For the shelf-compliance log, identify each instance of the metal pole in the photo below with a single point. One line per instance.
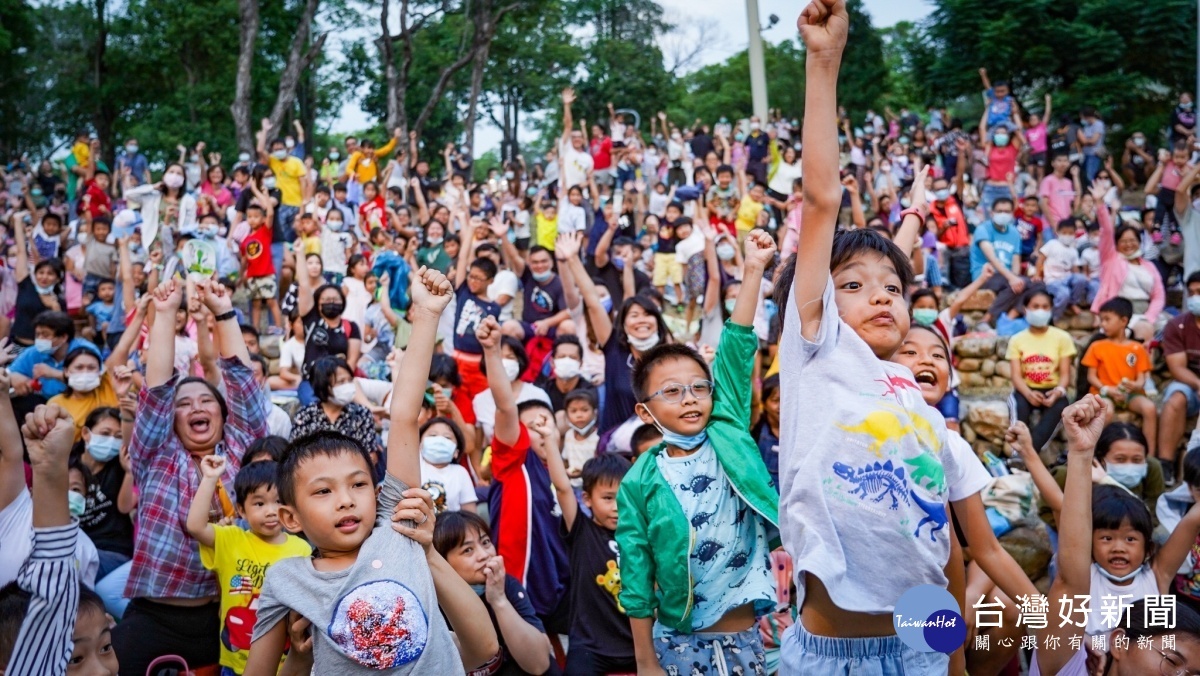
(758, 71)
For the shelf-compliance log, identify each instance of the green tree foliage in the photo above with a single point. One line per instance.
(863, 79)
(723, 89)
(1127, 59)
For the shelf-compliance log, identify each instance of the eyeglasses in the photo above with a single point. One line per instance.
(1174, 664)
(673, 393)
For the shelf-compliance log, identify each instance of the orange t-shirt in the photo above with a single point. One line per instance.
(1114, 361)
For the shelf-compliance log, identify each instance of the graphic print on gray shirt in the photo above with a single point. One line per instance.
(380, 613)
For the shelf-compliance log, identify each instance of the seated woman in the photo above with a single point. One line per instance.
(1040, 357)
(462, 539)
(334, 409)
(1125, 273)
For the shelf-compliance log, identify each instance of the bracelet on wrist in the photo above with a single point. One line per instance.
(225, 315)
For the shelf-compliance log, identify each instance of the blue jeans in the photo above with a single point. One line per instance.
(1091, 166)
(109, 561)
(1070, 291)
(991, 193)
(305, 393)
(287, 221)
(1193, 400)
(804, 653)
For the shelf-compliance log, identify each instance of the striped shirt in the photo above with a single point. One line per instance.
(51, 575)
(166, 560)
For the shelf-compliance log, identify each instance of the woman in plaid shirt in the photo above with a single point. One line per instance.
(180, 420)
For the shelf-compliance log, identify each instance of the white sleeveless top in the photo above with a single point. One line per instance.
(1139, 588)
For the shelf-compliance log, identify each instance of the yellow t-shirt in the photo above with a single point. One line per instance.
(82, 153)
(547, 230)
(241, 559)
(310, 245)
(288, 173)
(80, 404)
(1040, 355)
(365, 166)
(747, 213)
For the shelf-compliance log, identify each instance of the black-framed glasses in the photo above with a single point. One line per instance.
(673, 393)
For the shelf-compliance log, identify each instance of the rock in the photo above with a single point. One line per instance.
(972, 381)
(980, 301)
(969, 364)
(1128, 417)
(988, 367)
(1084, 321)
(1000, 382)
(1030, 548)
(1004, 369)
(976, 345)
(981, 446)
(1001, 348)
(989, 419)
(967, 432)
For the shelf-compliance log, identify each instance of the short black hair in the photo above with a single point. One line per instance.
(255, 207)
(1193, 278)
(485, 265)
(1034, 293)
(532, 404)
(14, 605)
(1119, 431)
(919, 294)
(443, 367)
(322, 372)
(248, 329)
(1003, 200)
(452, 528)
(1191, 467)
(59, 323)
(850, 243)
(643, 301)
(581, 394)
(261, 361)
(604, 468)
(657, 355)
(724, 169)
(566, 339)
(271, 446)
(1119, 307)
(1066, 223)
(676, 204)
(51, 216)
(1113, 507)
(253, 476)
(1137, 627)
(645, 432)
(317, 444)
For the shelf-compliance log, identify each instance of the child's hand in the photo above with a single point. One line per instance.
(49, 434)
(122, 378)
(1083, 421)
(917, 193)
(708, 353)
(212, 466)
(7, 352)
(823, 26)
(543, 426)
(495, 577)
(498, 226)
(299, 634)
(488, 333)
(214, 296)
(760, 250)
(431, 291)
(416, 507)
(443, 404)
(167, 297)
(1020, 440)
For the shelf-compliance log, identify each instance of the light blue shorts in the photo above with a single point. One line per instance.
(711, 653)
(804, 653)
(1193, 401)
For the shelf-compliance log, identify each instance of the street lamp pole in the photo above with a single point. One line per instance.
(758, 71)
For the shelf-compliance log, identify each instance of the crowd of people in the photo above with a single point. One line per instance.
(672, 400)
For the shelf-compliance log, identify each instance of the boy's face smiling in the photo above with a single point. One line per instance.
(924, 355)
(602, 500)
(335, 503)
(92, 653)
(688, 416)
(871, 301)
(261, 511)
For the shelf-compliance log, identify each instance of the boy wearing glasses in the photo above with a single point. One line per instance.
(698, 512)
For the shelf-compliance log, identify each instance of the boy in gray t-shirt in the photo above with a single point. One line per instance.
(369, 592)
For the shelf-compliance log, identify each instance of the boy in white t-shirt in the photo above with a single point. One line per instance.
(1059, 267)
(864, 484)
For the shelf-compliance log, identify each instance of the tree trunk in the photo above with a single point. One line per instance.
(396, 87)
(240, 108)
(481, 56)
(298, 61)
(104, 115)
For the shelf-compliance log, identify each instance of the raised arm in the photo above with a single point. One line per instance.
(18, 229)
(431, 293)
(1185, 189)
(160, 361)
(568, 97)
(229, 339)
(508, 425)
(508, 250)
(823, 26)
(12, 465)
(566, 250)
(211, 469)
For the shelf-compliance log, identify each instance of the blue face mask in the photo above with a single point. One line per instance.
(542, 277)
(1113, 578)
(730, 303)
(104, 448)
(438, 450)
(1193, 305)
(1127, 474)
(681, 441)
(925, 316)
(479, 589)
(606, 303)
(619, 263)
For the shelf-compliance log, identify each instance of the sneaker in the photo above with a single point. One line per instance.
(274, 330)
(1150, 388)
(1176, 239)
(1157, 237)
(1168, 470)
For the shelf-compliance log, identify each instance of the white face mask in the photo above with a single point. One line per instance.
(512, 368)
(244, 158)
(173, 180)
(269, 182)
(83, 382)
(643, 344)
(1066, 240)
(43, 345)
(566, 368)
(343, 394)
(279, 154)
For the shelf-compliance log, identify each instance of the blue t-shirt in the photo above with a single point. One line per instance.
(467, 314)
(30, 357)
(729, 564)
(1006, 244)
(999, 110)
(138, 166)
(103, 312)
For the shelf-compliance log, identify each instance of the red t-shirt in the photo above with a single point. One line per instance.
(374, 215)
(99, 202)
(601, 149)
(256, 250)
(954, 235)
(1002, 161)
